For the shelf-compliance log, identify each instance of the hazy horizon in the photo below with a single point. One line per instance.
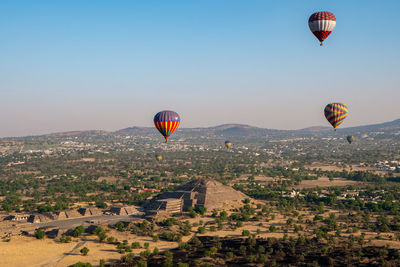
(209, 126)
(74, 65)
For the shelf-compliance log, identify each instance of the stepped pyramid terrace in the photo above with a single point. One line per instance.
(197, 193)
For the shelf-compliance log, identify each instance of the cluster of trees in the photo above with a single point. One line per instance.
(271, 252)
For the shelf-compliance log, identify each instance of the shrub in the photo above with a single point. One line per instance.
(101, 204)
(135, 245)
(78, 231)
(65, 239)
(39, 234)
(84, 251)
(201, 210)
(145, 254)
(111, 240)
(120, 226)
(101, 234)
(207, 253)
(171, 236)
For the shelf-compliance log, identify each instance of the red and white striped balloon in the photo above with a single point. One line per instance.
(322, 24)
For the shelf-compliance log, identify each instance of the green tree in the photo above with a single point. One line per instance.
(65, 239)
(135, 245)
(78, 231)
(120, 226)
(39, 234)
(84, 251)
(101, 204)
(101, 233)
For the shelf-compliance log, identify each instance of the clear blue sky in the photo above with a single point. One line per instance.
(80, 64)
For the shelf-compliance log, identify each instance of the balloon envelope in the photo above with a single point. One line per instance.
(350, 139)
(228, 144)
(335, 113)
(166, 122)
(322, 24)
(158, 157)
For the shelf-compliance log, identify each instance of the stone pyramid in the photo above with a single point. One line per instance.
(198, 193)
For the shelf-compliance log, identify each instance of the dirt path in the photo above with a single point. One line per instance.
(54, 262)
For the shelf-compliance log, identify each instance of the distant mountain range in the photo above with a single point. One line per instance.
(391, 125)
(228, 130)
(246, 131)
(243, 130)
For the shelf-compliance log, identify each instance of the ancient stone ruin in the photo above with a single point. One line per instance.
(197, 193)
(90, 211)
(67, 214)
(125, 210)
(39, 218)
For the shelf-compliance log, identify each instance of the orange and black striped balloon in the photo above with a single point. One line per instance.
(335, 113)
(166, 122)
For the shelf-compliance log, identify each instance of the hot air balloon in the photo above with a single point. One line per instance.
(335, 113)
(350, 138)
(228, 144)
(158, 157)
(322, 24)
(166, 122)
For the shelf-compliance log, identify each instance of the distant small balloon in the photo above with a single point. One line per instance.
(228, 144)
(335, 113)
(159, 157)
(166, 122)
(350, 139)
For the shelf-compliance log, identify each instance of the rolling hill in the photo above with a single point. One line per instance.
(243, 130)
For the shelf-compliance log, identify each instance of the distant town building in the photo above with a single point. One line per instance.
(292, 194)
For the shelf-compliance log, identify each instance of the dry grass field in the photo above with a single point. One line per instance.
(336, 168)
(28, 251)
(88, 159)
(325, 182)
(24, 251)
